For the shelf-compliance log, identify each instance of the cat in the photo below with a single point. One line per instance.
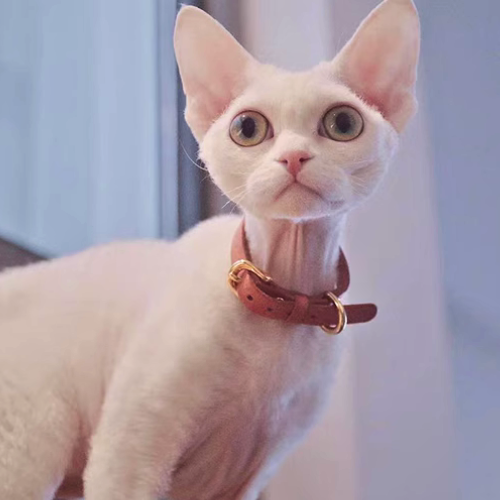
(132, 364)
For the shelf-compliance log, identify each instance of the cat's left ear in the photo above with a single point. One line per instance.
(213, 67)
(380, 61)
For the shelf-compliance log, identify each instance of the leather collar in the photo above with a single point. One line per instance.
(261, 295)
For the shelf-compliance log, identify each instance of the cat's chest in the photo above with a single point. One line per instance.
(244, 436)
(276, 392)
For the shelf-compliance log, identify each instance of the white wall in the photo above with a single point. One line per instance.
(462, 53)
(79, 159)
(463, 75)
(403, 400)
(389, 431)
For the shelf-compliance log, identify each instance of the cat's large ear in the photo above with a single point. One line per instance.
(212, 64)
(380, 61)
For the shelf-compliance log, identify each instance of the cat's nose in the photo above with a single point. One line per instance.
(294, 160)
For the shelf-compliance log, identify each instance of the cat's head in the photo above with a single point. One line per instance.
(299, 145)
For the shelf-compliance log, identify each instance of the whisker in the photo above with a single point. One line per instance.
(236, 189)
(235, 207)
(205, 178)
(196, 164)
(237, 199)
(226, 204)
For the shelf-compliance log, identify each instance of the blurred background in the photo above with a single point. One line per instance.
(93, 148)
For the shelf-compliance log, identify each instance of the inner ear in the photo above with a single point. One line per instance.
(380, 62)
(214, 67)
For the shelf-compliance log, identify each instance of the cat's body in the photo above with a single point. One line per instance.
(263, 389)
(134, 364)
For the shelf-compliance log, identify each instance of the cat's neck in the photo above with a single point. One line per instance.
(301, 256)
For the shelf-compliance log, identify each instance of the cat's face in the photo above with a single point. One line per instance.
(299, 145)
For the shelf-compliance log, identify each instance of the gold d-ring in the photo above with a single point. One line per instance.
(335, 330)
(244, 265)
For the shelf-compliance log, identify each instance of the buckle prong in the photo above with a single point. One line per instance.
(245, 265)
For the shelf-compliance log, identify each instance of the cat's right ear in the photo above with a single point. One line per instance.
(213, 67)
(380, 61)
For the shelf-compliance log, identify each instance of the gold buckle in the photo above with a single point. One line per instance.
(244, 265)
(335, 330)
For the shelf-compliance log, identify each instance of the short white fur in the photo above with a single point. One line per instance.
(132, 363)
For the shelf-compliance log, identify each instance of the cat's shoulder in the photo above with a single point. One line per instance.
(115, 262)
(211, 233)
(214, 232)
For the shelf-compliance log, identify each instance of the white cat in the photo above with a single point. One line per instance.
(133, 364)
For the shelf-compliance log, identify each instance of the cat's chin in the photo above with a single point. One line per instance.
(297, 202)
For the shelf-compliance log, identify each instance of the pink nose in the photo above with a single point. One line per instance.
(294, 160)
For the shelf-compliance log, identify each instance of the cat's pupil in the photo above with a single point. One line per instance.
(343, 123)
(248, 127)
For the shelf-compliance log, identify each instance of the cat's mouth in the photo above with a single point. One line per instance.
(298, 199)
(297, 186)
(289, 197)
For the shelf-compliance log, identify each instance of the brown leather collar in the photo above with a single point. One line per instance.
(259, 293)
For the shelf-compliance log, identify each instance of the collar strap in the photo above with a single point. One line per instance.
(264, 297)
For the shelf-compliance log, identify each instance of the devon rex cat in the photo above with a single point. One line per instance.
(133, 365)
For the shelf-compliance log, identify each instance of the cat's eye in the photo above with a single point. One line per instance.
(249, 128)
(342, 123)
